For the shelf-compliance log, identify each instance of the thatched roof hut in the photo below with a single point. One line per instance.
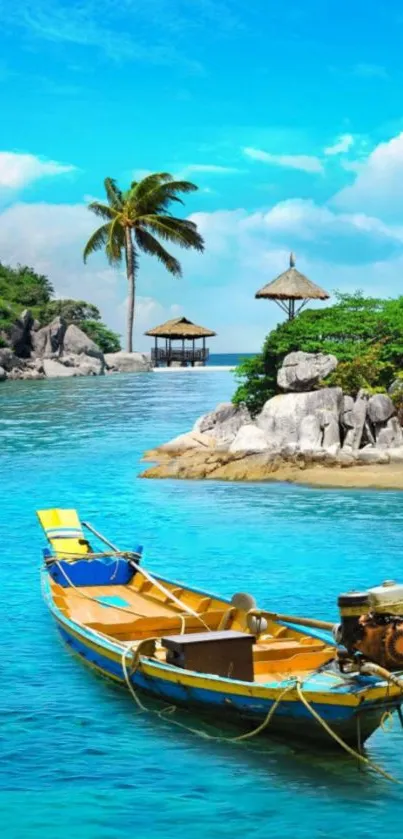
(180, 329)
(290, 286)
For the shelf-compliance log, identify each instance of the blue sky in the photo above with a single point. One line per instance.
(289, 117)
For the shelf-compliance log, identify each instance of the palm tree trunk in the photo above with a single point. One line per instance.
(131, 279)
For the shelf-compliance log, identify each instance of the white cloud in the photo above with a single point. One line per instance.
(341, 145)
(303, 162)
(377, 186)
(341, 244)
(20, 170)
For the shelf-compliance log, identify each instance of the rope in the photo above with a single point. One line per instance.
(339, 740)
(170, 709)
(269, 716)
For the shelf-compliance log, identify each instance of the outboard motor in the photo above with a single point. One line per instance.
(372, 624)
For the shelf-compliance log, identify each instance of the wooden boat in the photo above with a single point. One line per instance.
(192, 648)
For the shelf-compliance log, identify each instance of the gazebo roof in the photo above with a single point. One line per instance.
(180, 328)
(292, 285)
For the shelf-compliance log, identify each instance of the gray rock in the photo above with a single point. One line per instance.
(249, 438)
(8, 360)
(190, 440)
(357, 418)
(346, 413)
(395, 454)
(380, 408)
(372, 455)
(20, 335)
(310, 434)
(301, 371)
(330, 431)
(282, 416)
(76, 342)
(48, 341)
(3, 374)
(224, 422)
(396, 386)
(125, 362)
(390, 435)
(55, 370)
(84, 365)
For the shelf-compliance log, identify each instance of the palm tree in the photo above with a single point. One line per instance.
(131, 220)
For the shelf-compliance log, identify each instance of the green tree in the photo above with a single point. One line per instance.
(23, 286)
(364, 333)
(132, 221)
(73, 311)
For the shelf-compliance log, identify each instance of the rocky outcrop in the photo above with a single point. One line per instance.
(303, 371)
(354, 421)
(223, 424)
(128, 362)
(3, 374)
(76, 342)
(20, 338)
(48, 341)
(298, 420)
(249, 438)
(380, 408)
(297, 430)
(66, 349)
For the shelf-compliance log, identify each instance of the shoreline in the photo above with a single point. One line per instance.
(210, 465)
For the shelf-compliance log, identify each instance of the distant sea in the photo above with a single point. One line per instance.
(228, 359)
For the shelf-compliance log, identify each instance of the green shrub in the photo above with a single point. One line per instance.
(107, 340)
(351, 329)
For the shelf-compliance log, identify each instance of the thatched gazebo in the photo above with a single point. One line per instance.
(180, 329)
(291, 287)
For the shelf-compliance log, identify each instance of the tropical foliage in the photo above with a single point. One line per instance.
(22, 288)
(135, 221)
(364, 333)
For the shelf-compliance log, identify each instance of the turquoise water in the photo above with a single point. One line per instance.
(75, 757)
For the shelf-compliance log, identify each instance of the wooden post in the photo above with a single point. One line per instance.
(156, 352)
(204, 350)
(193, 352)
(183, 352)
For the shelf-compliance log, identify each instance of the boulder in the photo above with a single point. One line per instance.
(223, 423)
(330, 430)
(380, 408)
(301, 371)
(55, 370)
(128, 362)
(390, 435)
(310, 434)
(396, 386)
(372, 455)
(76, 342)
(19, 336)
(85, 365)
(281, 417)
(346, 413)
(356, 419)
(3, 374)
(48, 341)
(8, 360)
(190, 440)
(249, 438)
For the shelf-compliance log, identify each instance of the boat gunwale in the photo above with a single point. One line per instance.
(364, 696)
